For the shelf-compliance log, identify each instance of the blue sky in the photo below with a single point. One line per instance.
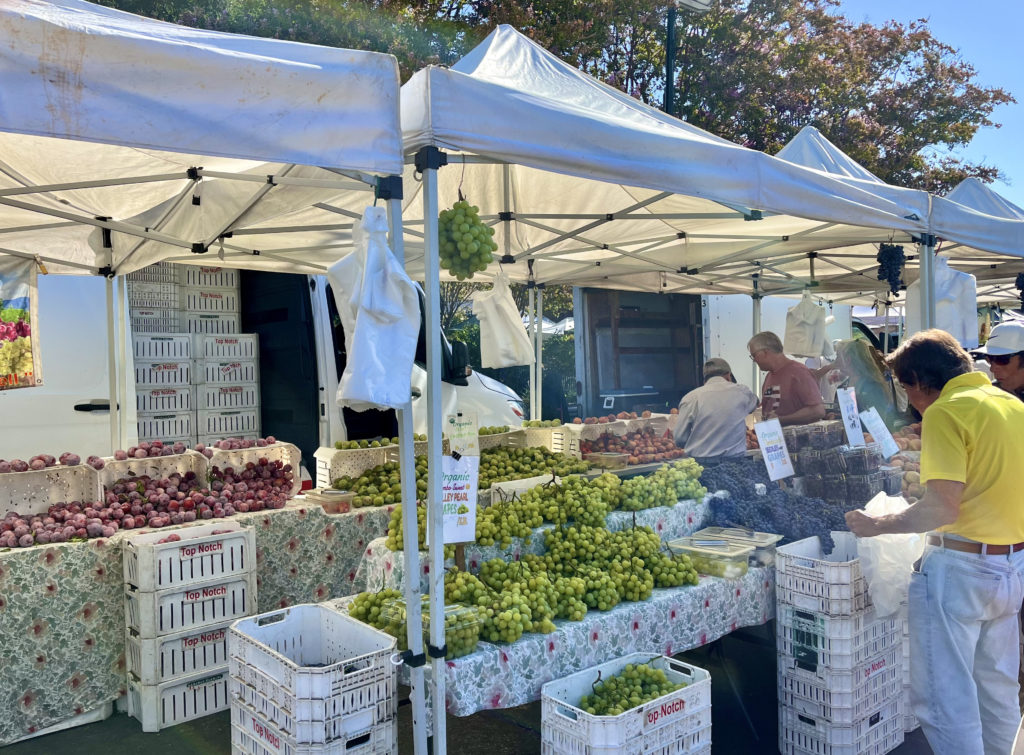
(988, 34)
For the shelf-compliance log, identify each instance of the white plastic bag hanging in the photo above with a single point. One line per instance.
(503, 339)
(380, 312)
(887, 560)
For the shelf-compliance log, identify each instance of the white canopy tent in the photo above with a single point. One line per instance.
(126, 141)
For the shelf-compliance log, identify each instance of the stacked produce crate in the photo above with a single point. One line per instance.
(163, 391)
(182, 591)
(840, 667)
(309, 679)
(226, 375)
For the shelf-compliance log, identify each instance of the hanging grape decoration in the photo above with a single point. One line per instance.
(890, 268)
(465, 242)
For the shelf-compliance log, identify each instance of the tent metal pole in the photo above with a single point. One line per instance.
(927, 273)
(112, 376)
(539, 364)
(124, 359)
(429, 159)
(756, 324)
(533, 336)
(410, 528)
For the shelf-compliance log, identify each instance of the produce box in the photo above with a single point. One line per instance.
(607, 460)
(286, 453)
(153, 614)
(170, 372)
(228, 423)
(237, 346)
(160, 659)
(203, 552)
(201, 276)
(227, 396)
(151, 295)
(253, 734)
(839, 643)
(166, 425)
(166, 400)
(878, 732)
(717, 557)
(159, 706)
(809, 579)
(763, 542)
(34, 491)
(159, 346)
(462, 625)
(209, 300)
(208, 322)
(225, 371)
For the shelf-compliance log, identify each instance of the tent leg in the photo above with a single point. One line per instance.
(435, 512)
(125, 357)
(113, 369)
(539, 363)
(410, 528)
(927, 281)
(756, 324)
(534, 414)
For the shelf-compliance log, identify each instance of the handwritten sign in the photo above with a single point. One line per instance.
(773, 449)
(879, 432)
(463, 433)
(851, 419)
(458, 497)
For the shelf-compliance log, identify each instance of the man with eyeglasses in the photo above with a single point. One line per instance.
(967, 588)
(790, 391)
(1004, 352)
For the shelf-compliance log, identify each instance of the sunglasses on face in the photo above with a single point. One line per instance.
(1001, 359)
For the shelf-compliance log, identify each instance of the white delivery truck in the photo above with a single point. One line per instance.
(301, 350)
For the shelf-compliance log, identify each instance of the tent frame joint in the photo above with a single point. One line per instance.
(753, 215)
(388, 187)
(430, 158)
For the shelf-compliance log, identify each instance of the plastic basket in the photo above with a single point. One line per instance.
(879, 732)
(763, 542)
(211, 440)
(554, 439)
(150, 320)
(34, 491)
(229, 423)
(254, 735)
(158, 706)
(207, 277)
(152, 614)
(656, 724)
(838, 643)
(225, 396)
(718, 557)
(831, 584)
(169, 400)
(332, 463)
(159, 272)
(286, 453)
(817, 699)
(159, 347)
(157, 467)
(511, 439)
(226, 371)
(173, 656)
(209, 299)
(158, 426)
(160, 373)
(845, 681)
(200, 555)
(151, 295)
(238, 346)
(209, 322)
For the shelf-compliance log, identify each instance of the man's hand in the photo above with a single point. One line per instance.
(862, 524)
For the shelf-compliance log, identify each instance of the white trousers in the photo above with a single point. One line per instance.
(964, 651)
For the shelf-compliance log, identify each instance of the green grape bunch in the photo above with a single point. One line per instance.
(466, 244)
(635, 685)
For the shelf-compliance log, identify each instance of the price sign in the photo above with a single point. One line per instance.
(458, 497)
(851, 419)
(879, 432)
(773, 449)
(463, 433)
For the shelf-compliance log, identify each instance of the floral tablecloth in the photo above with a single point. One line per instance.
(670, 621)
(62, 606)
(382, 568)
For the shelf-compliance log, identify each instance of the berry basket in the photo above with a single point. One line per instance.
(807, 578)
(252, 734)
(152, 614)
(315, 672)
(34, 491)
(171, 656)
(160, 346)
(159, 706)
(680, 720)
(238, 346)
(204, 552)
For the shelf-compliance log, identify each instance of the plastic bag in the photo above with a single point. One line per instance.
(503, 339)
(380, 312)
(887, 560)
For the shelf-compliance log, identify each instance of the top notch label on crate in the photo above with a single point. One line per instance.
(205, 638)
(206, 680)
(210, 295)
(209, 269)
(205, 593)
(264, 733)
(659, 715)
(164, 392)
(200, 549)
(231, 389)
(226, 368)
(873, 668)
(226, 340)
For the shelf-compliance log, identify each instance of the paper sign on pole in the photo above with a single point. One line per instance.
(851, 419)
(879, 432)
(773, 449)
(458, 497)
(463, 433)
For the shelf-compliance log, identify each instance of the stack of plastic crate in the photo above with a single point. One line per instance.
(163, 391)
(840, 667)
(154, 299)
(309, 679)
(209, 300)
(226, 375)
(181, 596)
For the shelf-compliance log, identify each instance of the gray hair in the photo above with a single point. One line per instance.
(715, 367)
(765, 340)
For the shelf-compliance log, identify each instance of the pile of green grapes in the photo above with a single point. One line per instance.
(382, 485)
(576, 499)
(395, 540)
(543, 423)
(386, 610)
(375, 609)
(632, 687)
(669, 484)
(465, 242)
(539, 592)
(495, 430)
(347, 445)
(506, 615)
(504, 464)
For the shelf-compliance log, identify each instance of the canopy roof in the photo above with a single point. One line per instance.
(166, 137)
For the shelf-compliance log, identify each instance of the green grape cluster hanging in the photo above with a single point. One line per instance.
(465, 242)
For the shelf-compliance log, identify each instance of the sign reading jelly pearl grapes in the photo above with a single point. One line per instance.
(773, 449)
(458, 497)
(851, 419)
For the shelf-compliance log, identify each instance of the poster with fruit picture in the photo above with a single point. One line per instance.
(20, 365)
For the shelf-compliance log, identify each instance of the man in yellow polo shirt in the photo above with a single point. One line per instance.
(966, 591)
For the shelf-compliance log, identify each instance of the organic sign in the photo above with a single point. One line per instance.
(773, 449)
(458, 497)
(463, 433)
(20, 365)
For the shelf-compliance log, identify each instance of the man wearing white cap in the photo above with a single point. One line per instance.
(1004, 352)
(712, 419)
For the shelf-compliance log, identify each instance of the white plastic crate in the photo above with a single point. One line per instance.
(152, 614)
(252, 734)
(209, 322)
(332, 463)
(209, 300)
(831, 584)
(554, 439)
(512, 439)
(310, 652)
(838, 643)
(818, 700)
(200, 555)
(844, 680)
(160, 426)
(160, 272)
(149, 320)
(34, 491)
(696, 742)
(910, 721)
(153, 295)
(226, 371)
(226, 396)
(158, 706)
(157, 467)
(649, 727)
(163, 372)
(238, 346)
(196, 276)
(229, 423)
(877, 733)
(160, 346)
(286, 453)
(210, 440)
(167, 400)
(172, 656)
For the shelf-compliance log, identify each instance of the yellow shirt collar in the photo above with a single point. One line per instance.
(967, 380)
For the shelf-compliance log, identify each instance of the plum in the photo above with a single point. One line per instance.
(17, 465)
(26, 540)
(95, 462)
(120, 455)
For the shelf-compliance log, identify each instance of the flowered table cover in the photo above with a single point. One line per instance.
(382, 568)
(670, 621)
(62, 606)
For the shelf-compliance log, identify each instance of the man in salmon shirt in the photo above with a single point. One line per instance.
(790, 392)
(966, 591)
